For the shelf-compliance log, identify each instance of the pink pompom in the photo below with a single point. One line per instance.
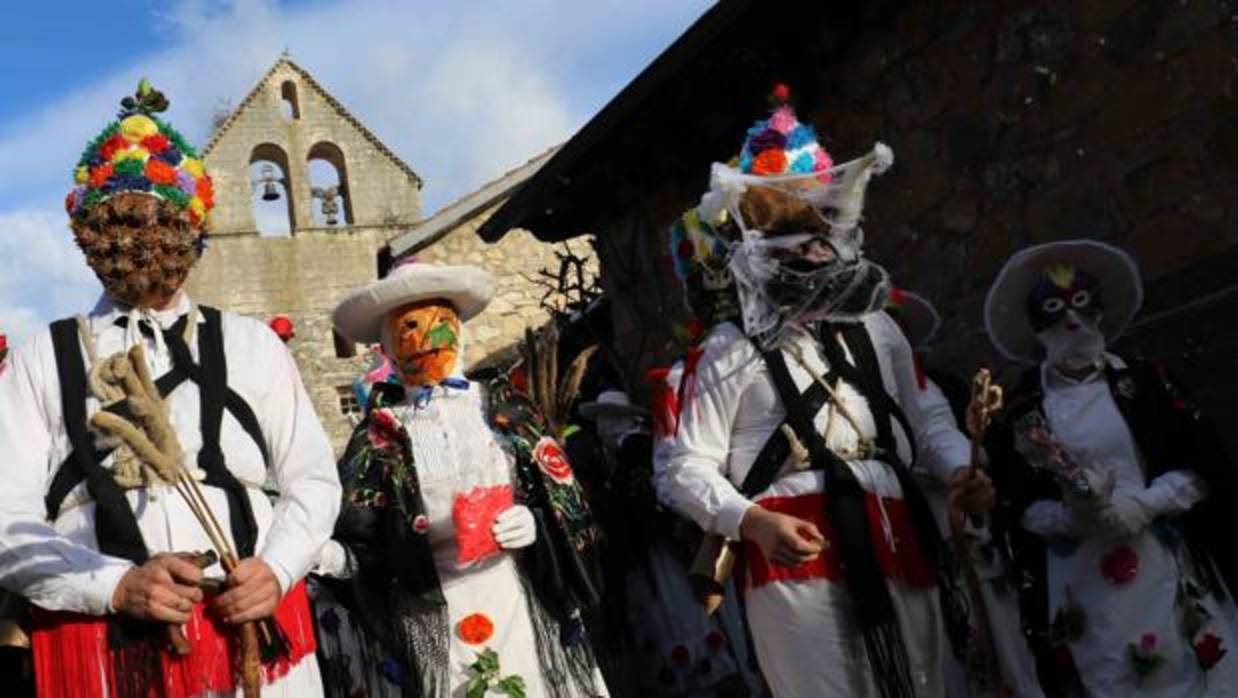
(822, 163)
(783, 120)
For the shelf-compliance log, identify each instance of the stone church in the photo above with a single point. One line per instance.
(345, 207)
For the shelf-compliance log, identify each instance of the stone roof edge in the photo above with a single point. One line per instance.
(335, 104)
(451, 215)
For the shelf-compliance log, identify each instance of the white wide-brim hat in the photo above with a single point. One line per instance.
(916, 317)
(360, 316)
(1005, 307)
(615, 402)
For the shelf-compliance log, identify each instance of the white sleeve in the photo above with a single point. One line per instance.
(1173, 493)
(36, 561)
(1046, 517)
(690, 478)
(941, 448)
(303, 466)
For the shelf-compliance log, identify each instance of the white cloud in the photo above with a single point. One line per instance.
(42, 274)
(462, 91)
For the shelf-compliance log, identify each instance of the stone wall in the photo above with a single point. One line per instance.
(513, 261)
(303, 277)
(381, 190)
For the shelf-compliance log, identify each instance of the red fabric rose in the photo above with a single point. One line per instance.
(770, 162)
(680, 655)
(1208, 651)
(551, 459)
(206, 191)
(384, 430)
(111, 146)
(160, 172)
(715, 640)
(100, 175)
(686, 248)
(156, 144)
(1120, 565)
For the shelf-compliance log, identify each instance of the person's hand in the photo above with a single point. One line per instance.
(785, 540)
(253, 592)
(971, 491)
(515, 528)
(164, 589)
(1125, 517)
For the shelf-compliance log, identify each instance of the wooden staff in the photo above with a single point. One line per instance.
(986, 398)
(157, 446)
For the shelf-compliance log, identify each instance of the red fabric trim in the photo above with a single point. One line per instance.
(72, 658)
(921, 377)
(904, 562)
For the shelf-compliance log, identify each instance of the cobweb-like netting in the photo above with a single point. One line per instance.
(809, 268)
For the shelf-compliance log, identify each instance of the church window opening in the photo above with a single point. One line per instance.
(273, 203)
(289, 106)
(344, 348)
(349, 405)
(328, 174)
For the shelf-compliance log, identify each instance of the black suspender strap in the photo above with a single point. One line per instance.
(777, 447)
(117, 529)
(212, 389)
(115, 525)
(865, 376)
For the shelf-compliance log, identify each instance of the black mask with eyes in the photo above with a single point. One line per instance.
(1059, 289)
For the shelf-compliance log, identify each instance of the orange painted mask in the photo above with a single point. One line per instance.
(424, 341)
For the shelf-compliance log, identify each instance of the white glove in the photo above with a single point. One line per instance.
(1172, 493)
(515, 528)
(333, 561)
(1049, 518)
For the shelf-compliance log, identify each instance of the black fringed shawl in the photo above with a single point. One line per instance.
(396, 590)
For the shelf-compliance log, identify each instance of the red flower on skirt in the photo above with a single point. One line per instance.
(1120, 565)
(551, 459)
(1208, 651)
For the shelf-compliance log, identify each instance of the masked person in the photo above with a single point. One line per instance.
(91, 521)
(1118, 486)
(460, 530)
(795, 432)
(947, 397)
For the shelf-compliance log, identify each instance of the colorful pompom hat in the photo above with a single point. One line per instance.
(781, 145)
(140, 153)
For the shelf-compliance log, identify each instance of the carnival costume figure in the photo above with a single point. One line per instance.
(134, 443)
(462, 529)
(795, 429)
(1118, 485)
(948, 398)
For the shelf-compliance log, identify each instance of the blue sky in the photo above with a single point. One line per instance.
(461, 90)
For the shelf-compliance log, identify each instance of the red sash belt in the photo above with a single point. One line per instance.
(72, 658)
(900, 559)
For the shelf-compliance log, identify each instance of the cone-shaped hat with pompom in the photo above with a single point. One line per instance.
(781, 145)
(140, 153)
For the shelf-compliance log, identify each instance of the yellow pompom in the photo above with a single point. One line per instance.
(193, 167)
(135, 128)
(131, 153)
(196, 205)
(81, 175)
(1062, 275)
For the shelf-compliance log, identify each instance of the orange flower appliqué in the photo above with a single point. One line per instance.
(476, 628)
